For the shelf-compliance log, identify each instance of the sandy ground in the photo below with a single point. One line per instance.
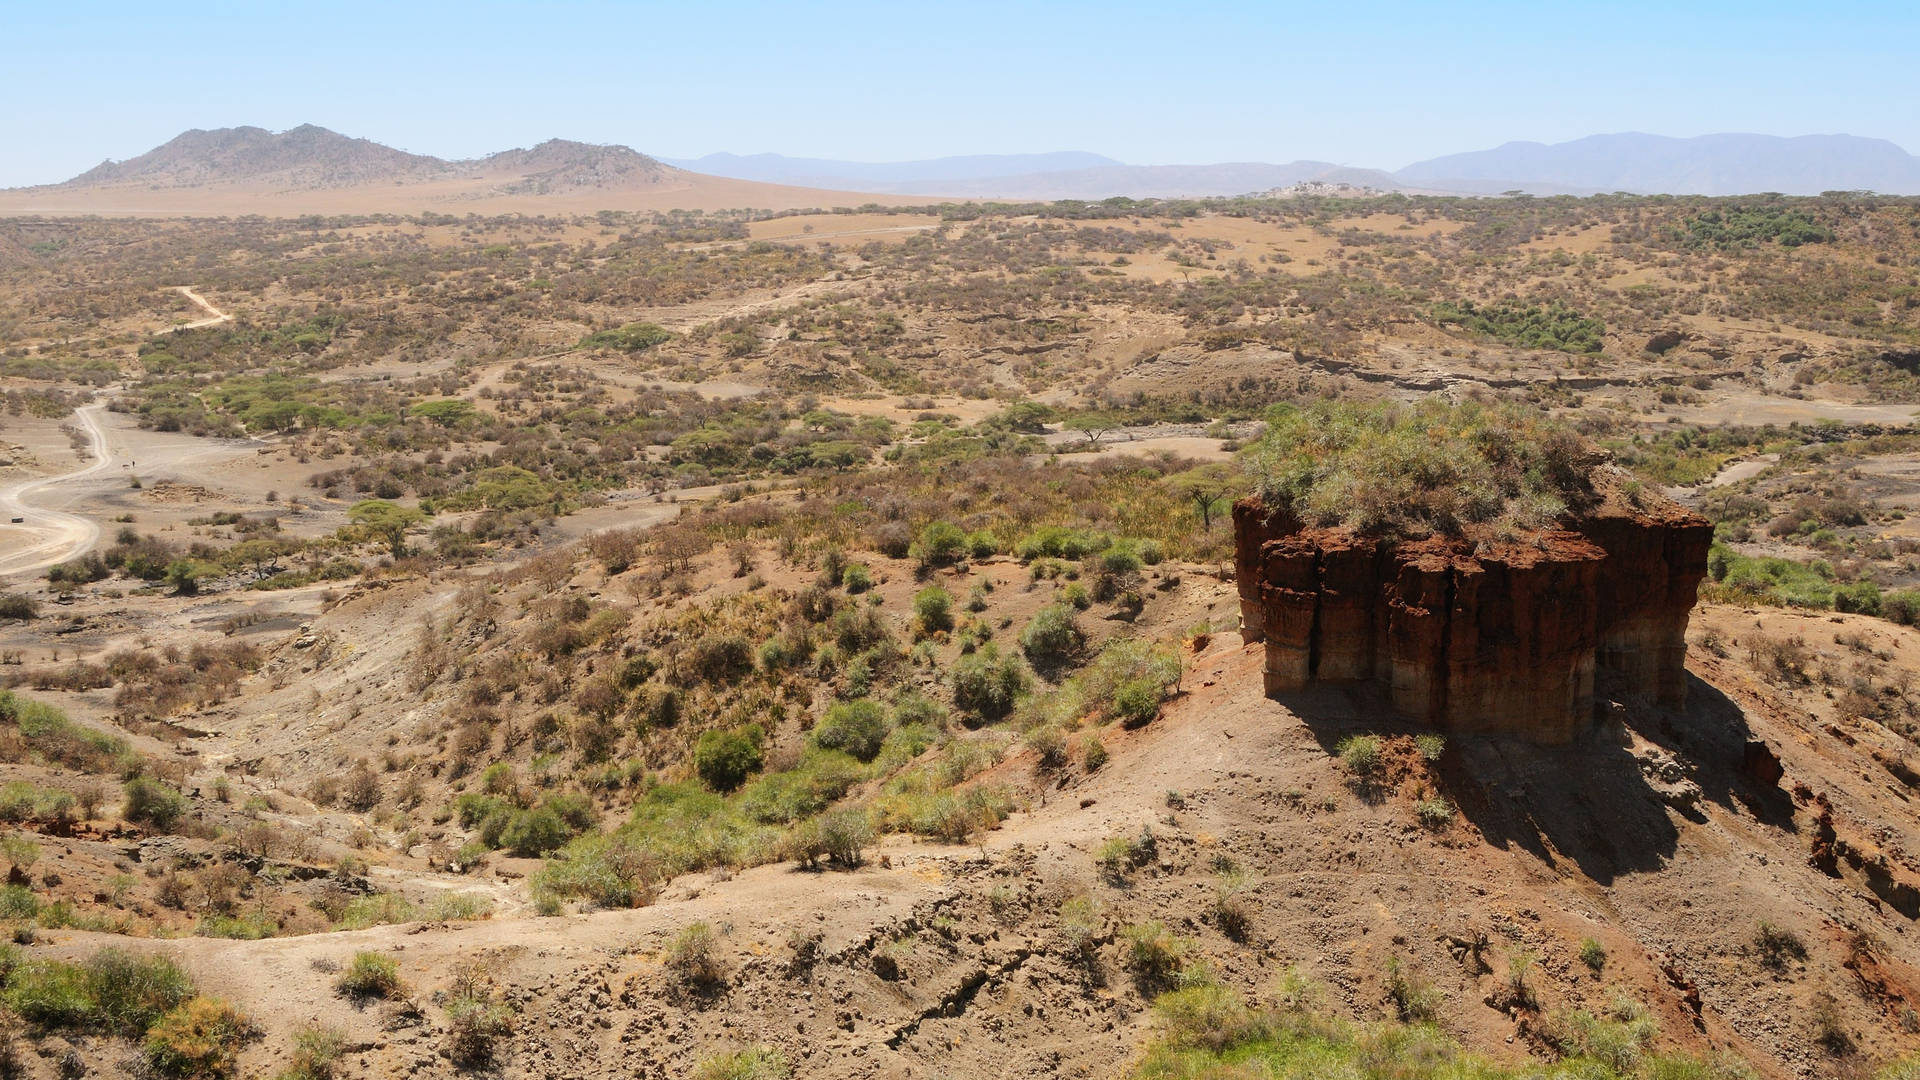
(37, 536)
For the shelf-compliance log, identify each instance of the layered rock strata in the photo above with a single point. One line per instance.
(1477, 636)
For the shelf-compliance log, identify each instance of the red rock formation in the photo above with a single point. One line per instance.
(1486, 637)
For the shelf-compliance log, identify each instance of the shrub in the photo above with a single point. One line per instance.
(857, 578)
(845, 834)
(18, 606)
(1080, 926)
(1430, 746)
(855, 727)
(756, 1063)
(1434, 813)
(1776, 946)
(1093, 753)
(535, 832)
(933, 609)
(1154, 954)
(371, 974)
(721, 658)
(1052, 638)
(988, 684)
(315, 1049)
(1593, 954)
(693, 957)
(18, 902)
(153, 803)
(475, 1020)
(1414, 999)
(1232, 911)
(1902, 607)
(1420, 469)
(941, 542)
(51, 994)
(633, 337)
(724, 759)
(1361, 753)
(1137, 701)
(199, 1040)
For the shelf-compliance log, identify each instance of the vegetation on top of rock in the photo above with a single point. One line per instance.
(1416, 470)
(1552, 325)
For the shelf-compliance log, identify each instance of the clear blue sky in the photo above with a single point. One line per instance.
(1379, 83)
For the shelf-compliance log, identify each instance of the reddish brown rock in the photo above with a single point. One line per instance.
(1476, 637)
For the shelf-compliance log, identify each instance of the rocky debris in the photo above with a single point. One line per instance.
(1487, 636)
(1760, 765)
(1666, 341)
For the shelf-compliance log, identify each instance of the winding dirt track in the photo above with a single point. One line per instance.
(52, 536)
(214, 315)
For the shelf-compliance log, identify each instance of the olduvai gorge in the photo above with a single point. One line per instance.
(566, 614)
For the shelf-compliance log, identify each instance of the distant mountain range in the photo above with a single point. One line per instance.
(310, 169)
(1644, 164)
(311, 157)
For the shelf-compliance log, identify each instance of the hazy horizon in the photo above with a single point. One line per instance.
(1378, 88)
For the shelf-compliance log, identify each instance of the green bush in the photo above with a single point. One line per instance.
(1361, 753)
(857, 578)
(821, 778)
(854, 727)
(153, 803)
(535, 832)
(372, 974)
(1432, 467)
(18, 902)
(315, 1051)
(845, 834)
(933, 608)
(199, 1040)
(1137, 701)
(988, 684)
(1061, 542)
(940, 543)
(756, 1063)
(1553, 325)
(724, 759)
(112, 989)
(18, 606)
(693, 956)
(633, 337)
(1593, 954)
(1051, 638)
(1902, 607)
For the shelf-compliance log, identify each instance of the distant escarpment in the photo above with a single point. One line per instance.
(1480, 565)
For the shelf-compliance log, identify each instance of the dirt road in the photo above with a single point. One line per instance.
(43, 537)
(214, 315)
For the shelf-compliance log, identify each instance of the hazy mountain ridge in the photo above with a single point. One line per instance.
(827, 172)
(1725, 164)
(312, 158)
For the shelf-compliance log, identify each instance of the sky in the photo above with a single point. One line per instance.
(1378, 84)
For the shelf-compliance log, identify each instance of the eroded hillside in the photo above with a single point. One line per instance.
(754, 645)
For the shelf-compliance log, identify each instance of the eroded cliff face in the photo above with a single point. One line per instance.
(1477, 637)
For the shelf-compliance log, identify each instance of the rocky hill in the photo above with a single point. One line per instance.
(559, 165)
(303, 157)
(1475, 636)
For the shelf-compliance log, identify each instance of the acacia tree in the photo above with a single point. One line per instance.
(1205, 487)
(387, 521)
